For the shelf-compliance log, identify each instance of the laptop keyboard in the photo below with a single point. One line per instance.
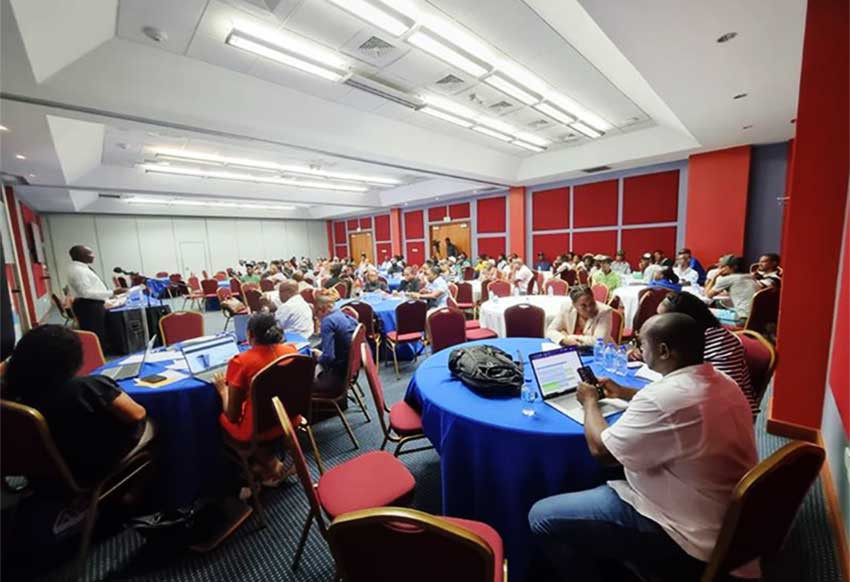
(122, 372)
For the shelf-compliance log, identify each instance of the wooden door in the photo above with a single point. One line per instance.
(361, 242)
(457, 231)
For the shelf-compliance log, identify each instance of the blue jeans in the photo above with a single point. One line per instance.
(584, 533)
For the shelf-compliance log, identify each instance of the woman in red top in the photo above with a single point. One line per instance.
(237, 417)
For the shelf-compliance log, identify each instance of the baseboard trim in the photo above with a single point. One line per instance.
(791, 430)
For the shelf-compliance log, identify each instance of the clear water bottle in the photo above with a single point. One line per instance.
(622, 361)
(598, 350)
(529, 396)
(609, 358)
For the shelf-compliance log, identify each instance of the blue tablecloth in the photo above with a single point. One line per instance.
(137, 302)
(384, 308)
(158, 286)
(186, 414)
(394, 283)
(495, 462)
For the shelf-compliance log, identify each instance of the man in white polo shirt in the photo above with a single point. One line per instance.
(293, 314)
(684, 443)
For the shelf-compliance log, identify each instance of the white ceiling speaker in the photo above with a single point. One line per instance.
(155, 34)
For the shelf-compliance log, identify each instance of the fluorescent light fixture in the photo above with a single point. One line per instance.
(208, 203)
(291, 51)
(580, 112)
(588, 131)
(239, 177)
(446, 117)
(20, 157)
(202, 162)
(527, 146)
(448, 105)
(3, 128)
(457, 36)
(492, 133)
(374, 13)
(497, 125)
(531, 138)
(429, 43)
(512, 89)
(554, 113)
(379, 180)
(525, 78)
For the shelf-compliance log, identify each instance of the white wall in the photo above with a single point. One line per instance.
(150, 244)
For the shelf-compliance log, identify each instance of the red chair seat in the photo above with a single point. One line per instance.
(472, 324)
(489, 535)
(405, 420)
(373, 479)
(465, 305)
(405, 337)
(480, 333)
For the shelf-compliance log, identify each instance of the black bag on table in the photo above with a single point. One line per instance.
(487, 370)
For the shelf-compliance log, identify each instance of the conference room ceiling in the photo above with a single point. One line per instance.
(92, 92)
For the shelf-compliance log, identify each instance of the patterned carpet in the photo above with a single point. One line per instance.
(260, 555)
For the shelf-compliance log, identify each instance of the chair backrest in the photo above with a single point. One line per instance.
(452, 290)
(410, 316)
(181, 326)
(556, 286)
(499, 288)
(524, 320)
(253, 298)
(289, 378)
(617, 325)
(246, 286)
(763, 506)
(92, 352)
(220, 276)
(485, 291)
(205, 274)
(648, 304)
(235, 285)
(175, 277)
(764, 312)
(162, 274)
(209, 286)
(583, 276)
(223, 294)
(532, 284)
(403, 536)
(468, 273)
(308, 296)
(446, 328)
(464, 292)
(600, 293)
(350, 312)
(298, 459)
(266, 285)
(358, 338)
(342, 289)
(366, 316)
(376, 387)
(194, 283)
(27, 447)
(570, 276)
(754, 267)
(761, 359)
(122, 281)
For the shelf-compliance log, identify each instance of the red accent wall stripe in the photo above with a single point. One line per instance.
(550, 245)
(384, 250)
(382, 227)
(516, 211)
(596, 204)
(550, 209)
(491, 215)
(436, 213)
(645, 240)
(600, 241)
(339, 233)
(492, 246)
(352, 224)
(654, 197)
(395, 230)
(415, 252)
(366, 223)
(329, 227)
(459, 211)
(414, 225)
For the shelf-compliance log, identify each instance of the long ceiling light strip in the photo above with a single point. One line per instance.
(586, 130)
(446, 117)
(555, 113)
(512, 89)
(430, 43)
(286, 50)
(528, 146)
(209, 203)
(492, 133)
(377, 14)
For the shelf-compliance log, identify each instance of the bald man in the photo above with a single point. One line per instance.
(89, 292)
(684, 442)
(293, 313)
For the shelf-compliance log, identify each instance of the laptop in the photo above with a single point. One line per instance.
(556, 372)
(208, 358)
(128, 371)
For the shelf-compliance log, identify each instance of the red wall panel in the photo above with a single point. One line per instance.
(492, 246)
(414, 225)
(436, 213)
(645, 240)
(457, 211)
(339, 232)
(341, 251)
(329, 228)
(491, 215)
(352, 224)
(551, 245)
(550, 209)
(595, 204)
(384, 250)
(601, 241)
(718, 184)
(415, 253)
(653, 198)
(382, 227)
(366, 223)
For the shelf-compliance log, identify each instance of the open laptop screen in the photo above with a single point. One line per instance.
(556, 371)
(202, 356)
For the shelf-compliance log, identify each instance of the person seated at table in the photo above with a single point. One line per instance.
(521, 275)
(731, 280)
(664, 519)
(298, 277)
(648, 268)
(586, 263)
(542, 264)
(658, 256)
(502, 262)
(373, 282)
(687, 275)
(694, 263)
(768, 275)
(336, 329)
(666, 279)
(606, 275)
(436, 292)
(93, 422)
(396, 266)
(335, 275)
(250, 275)
(275, 274)
(620, 265)
(581, 321)
(292, 312)
(234, 388)
(409, 281)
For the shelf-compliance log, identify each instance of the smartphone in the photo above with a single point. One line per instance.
(588, 377)
(154, 379)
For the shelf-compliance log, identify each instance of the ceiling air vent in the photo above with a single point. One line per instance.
(375, 48)
(451, 81)
(113, 196)
(384, 90)
(501, 106)
(539, 124)
(596, 169)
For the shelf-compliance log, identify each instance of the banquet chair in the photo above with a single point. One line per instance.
(452, 290)
(583, 276)
(367, 318)
(181, 326)
(474, 331)
(570, 276)
(616, 302)
(557, 286)
(195, 293)
(266, 285)
(342, 289)
(253, 299)
(648, 304)
(382, 279)
(600, 293)
(64, 310)
(524, 320)
(404, 423)
(464, 297)
(617, 325)
(28, 450)
(289, 378)
(350, 312)
(468, 273)
(220, 276)
(373, 479)
(764, 312)
(209, 288)
(468, 550)
(499, 288)
(445, 327)
(176, 285)
(533, 284)
(92, 352)
(205, 274)
(122, 282)
(308, 295)
(410, 327)
(485, 293)
(761, 360)
(236, 287)
(161, 274)
(224, 293)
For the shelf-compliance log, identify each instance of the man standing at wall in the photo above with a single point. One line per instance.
(89, 291)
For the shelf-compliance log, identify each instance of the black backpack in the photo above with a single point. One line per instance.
(487, 370)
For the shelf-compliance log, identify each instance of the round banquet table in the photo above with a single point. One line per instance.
(384, 308)
(495, 462)
(492, 312)
(189, 460)
(629, 298)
